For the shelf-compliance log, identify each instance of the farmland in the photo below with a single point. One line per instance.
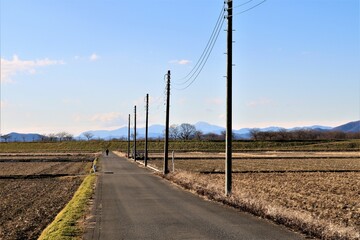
(179, 146)
(325, 205)
(310, 186)
(313, 192)
(34, 188)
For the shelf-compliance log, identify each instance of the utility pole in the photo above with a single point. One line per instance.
(128, 148)
(146, 130)
(228, 161)
(166, 148)
(134, 154)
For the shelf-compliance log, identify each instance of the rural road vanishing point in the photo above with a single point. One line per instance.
(132, 203)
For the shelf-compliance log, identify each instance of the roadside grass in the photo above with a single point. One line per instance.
(316, 193)
(67, 223)
(310, 203)
(95, 166)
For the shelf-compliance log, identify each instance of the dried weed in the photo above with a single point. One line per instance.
(324, 205)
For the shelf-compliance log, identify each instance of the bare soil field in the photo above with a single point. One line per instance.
(260, 155)
(38, 168)
(29, 205)
(32, 193)
(46, 157)
(325, 205)
(255, 165)
(317, 193)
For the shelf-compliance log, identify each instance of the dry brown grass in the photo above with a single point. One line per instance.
(260, 154)
(321, 204)
(332, 164)
(325, 205)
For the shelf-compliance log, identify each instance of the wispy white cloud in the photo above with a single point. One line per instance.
(14, 66)
(101, 120)
(181, 62)
(94, 57)
(105, 117)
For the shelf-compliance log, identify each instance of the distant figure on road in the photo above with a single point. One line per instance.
(107, 152)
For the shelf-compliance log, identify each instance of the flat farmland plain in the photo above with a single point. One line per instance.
(35, 188)
(266, 161)
(317, 193)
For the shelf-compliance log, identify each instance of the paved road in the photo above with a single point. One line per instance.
(132, 203)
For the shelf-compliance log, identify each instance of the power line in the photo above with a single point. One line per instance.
(207, 57)
(209, 47)
(250, 8)
(206, 49)
(243, 4)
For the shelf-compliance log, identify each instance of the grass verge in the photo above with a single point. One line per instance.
(95, 166)
(303, 221)
(66, 224)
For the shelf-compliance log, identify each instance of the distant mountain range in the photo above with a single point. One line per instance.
(22, 137)
(156, 131)
(349, 127)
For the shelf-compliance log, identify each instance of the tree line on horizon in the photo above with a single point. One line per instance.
(188, 132)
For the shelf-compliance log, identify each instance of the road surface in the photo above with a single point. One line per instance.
(132, 203)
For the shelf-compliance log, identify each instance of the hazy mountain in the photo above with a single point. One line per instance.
(349, 127)
(154, 131)
(205, 128)
(157, 131)
(315, 127)
(22, 137)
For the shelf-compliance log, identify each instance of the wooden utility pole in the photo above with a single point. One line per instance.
(146, 130)
(166, 148)
(134, 153)
(128, 148)
(228, 161)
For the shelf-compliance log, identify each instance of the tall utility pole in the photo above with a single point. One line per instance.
(228, 161)
(134, 153)
(146, 129)
(166, 148)
(128, 148)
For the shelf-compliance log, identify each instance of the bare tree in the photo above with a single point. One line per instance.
(52, 137)
(64, 136)
(61, 135)
(198, 135)
(174, 132)
(6, 137)
(68, 137)
(187, 131)
(282, 134)
(88, 135)
(254, 133)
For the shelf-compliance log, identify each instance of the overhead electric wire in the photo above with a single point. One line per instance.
(214, 32)
(243, 4)
(207, 57)
(210, 45)
(250, 8)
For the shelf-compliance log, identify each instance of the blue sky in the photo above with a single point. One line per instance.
(83, 65)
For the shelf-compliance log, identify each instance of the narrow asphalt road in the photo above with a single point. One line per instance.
(132, 203)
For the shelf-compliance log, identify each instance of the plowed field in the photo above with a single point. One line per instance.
(37, 168)
(29, 205)
(317, 193)
(32, 193)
